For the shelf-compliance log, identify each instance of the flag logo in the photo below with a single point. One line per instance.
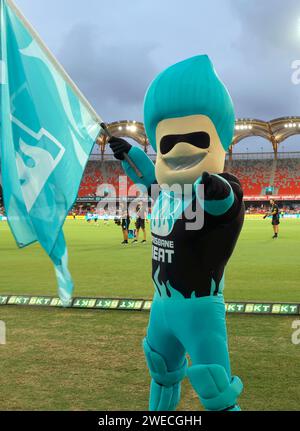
(35, 164)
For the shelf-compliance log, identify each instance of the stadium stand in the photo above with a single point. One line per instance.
(254, 174)
(104, 172)
(287, 177)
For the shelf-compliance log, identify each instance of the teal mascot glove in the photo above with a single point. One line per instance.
(189, 121)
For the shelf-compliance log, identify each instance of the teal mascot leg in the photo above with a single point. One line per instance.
(165, 385)
(214, 388)
(201, 331)
(166, 360)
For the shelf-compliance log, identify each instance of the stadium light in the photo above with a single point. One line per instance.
(243, 127)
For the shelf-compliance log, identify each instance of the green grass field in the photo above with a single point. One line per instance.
(92, 360)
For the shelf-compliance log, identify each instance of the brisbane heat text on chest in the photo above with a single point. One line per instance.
(162, 250)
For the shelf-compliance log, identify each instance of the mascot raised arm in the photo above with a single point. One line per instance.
(189, 121)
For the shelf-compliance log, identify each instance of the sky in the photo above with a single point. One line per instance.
(113, 49)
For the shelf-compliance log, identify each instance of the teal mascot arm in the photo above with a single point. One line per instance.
(144, 164)
(139, 158)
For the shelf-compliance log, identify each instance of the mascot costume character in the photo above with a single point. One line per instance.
(189, 121)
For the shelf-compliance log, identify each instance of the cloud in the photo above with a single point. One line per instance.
(114, 51)
(114, 77)
(267, 43)
(268, 26)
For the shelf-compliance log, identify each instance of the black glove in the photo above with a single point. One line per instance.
(119, 147)
(265, 216)
(214, 187)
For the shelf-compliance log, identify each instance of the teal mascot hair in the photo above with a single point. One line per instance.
(190, 87)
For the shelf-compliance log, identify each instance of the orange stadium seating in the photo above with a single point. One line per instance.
(255, 176)
(287, 177)
(98, 173)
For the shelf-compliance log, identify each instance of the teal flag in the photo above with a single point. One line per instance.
(48, 130)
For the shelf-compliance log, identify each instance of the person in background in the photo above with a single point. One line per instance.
(125, 223)
(141, 215)
(274, 212)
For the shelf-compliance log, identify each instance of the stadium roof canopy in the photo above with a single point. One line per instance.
(275, 131)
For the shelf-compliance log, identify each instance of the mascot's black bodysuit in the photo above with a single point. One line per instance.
(194, 261)
(189, 120)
